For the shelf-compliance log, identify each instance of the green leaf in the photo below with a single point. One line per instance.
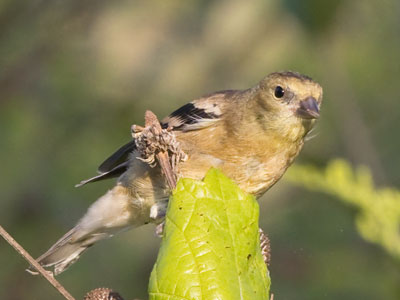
(210, 248)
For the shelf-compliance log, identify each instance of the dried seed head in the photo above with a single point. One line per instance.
(102, 294)
(265, 247)
(153, 140)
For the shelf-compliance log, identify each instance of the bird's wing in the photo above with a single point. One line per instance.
(195, 115)
(117, 158)
(116, 172)
(114, 165)
(200, 113)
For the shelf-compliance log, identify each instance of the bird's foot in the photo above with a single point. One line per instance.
(160, 229)
(158, 211)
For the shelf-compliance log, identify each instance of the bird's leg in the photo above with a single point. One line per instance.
(158, 211)
(160, 229)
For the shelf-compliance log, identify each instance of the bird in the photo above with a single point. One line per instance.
(251, 135)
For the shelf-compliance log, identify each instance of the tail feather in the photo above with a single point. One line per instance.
(110, 214)
(67, 250)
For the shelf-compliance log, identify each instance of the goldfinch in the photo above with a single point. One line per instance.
(251, 135)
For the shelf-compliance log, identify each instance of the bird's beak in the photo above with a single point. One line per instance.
(308, 109)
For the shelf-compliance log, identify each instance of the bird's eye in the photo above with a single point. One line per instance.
(279, 92)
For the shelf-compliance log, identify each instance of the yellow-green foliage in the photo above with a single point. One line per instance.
(211, 247)
(378, 218)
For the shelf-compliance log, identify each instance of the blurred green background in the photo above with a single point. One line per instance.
(74, 75)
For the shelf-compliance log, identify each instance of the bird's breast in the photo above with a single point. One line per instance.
(254, 170)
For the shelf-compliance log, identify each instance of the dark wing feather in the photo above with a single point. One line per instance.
(189, 114)
(116, 172)
(199, 113)
(113, 166)
(119, 157)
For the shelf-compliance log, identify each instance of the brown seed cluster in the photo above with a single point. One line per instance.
(102, 294)
(157, 145)
(265, 247)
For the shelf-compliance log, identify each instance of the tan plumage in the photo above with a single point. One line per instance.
(252, 136)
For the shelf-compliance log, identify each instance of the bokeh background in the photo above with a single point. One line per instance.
(74, 75)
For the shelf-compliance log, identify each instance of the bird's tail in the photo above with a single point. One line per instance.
(110, 214)
(67, 250)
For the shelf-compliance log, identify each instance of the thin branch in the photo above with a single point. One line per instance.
(162, 155)
(35, 264)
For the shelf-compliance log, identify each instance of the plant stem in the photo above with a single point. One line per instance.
(35, 264)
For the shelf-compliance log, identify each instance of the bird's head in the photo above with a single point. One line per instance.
(289, 101)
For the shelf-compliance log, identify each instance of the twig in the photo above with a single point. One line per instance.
(35, 264)
(162, 156)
